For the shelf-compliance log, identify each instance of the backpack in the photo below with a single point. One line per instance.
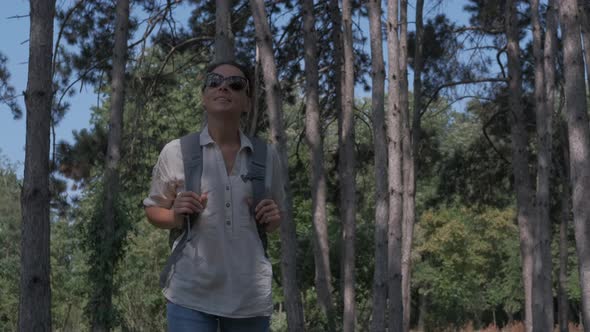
(193, 169)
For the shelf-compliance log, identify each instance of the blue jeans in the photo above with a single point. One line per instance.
(182, 319)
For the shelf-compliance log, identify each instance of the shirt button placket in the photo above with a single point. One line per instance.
(227, 205)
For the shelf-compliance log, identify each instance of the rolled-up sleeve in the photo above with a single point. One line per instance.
(167, 177)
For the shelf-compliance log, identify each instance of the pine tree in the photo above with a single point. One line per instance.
(35, 294)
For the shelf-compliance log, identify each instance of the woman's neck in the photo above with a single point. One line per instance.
(224, 132)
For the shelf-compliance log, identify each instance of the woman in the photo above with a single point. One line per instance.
(222, 278)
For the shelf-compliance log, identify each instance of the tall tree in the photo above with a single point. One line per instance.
(410, 155)
(102, 316)
(549, 69)
(409, 204)
(562, 297)
(542, 285)
(520, 157)
(35, 293)
(579, 143)
(313, 135)
(346, 172)
(584, 11)
(393, 119)
(224, 38)
(381, 199)
(274, 103)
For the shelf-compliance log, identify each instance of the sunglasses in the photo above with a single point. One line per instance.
(236, 83)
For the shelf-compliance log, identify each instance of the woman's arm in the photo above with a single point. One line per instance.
(186, 202)
(163, 218)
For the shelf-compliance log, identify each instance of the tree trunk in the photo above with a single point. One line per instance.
(102, 316)
(252, 119)
(409, 210)
(421, 311)
(394, 145)
(584, 11)
(381, 200)
(520, 157)
(321, 249)
(34, 313)
(542, 284)
(346, 170)
(224, 38)
(563, 233)
(579, 143)
(550, 56)
(294, 307)
(410, 168)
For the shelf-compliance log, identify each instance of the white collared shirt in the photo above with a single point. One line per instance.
(222, 270)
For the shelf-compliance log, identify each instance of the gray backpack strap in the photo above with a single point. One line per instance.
(192, 159)
(256, 174)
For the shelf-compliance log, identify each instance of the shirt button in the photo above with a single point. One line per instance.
(227, 204)
(226, 187)
(228, 222)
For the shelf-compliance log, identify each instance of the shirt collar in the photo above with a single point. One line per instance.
(206, 139)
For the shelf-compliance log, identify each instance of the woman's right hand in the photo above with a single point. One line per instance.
(187, 203)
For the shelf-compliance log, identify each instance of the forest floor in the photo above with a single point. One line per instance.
(512, 327)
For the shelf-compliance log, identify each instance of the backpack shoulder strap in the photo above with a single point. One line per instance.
(192, 159)
(257, 174)
(257, 170)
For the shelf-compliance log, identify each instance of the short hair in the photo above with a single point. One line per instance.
(243, 68)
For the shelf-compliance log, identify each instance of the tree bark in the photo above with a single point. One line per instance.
(520, 157)
(409, 211)
(394, 144)
(418, 67)
(562, 296)
(224, 38)
(101, 320)
(410, 168)
(321, 249)
(34, 313)
(381, 198)
(293, 305)
(542, 266)
(549, 63)
(423, 306)
(584, 11)
(347, 174)
(252, 119)
(579, 143)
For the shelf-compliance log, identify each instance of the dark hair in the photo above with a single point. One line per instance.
(243, 68)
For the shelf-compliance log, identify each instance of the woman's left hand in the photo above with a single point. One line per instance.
(268, 214)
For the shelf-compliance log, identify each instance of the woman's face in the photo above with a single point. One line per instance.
(226, 92)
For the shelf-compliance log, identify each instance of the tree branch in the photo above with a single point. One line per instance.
(59, 35)
(17, 16)
(489, 122)
(452, 84)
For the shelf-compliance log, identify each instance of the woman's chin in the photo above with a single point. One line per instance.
(224, 113)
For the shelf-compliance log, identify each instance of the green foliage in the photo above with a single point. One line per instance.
(464, 165)
(10, 220)
(69, 273)
(104, 254)
(7, 92)
(139, 300)
(468, 263)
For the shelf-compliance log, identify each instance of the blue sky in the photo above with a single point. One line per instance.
(15, 32)
(14, 35)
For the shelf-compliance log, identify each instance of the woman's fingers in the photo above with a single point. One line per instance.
(188, 202)
(267, 211)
